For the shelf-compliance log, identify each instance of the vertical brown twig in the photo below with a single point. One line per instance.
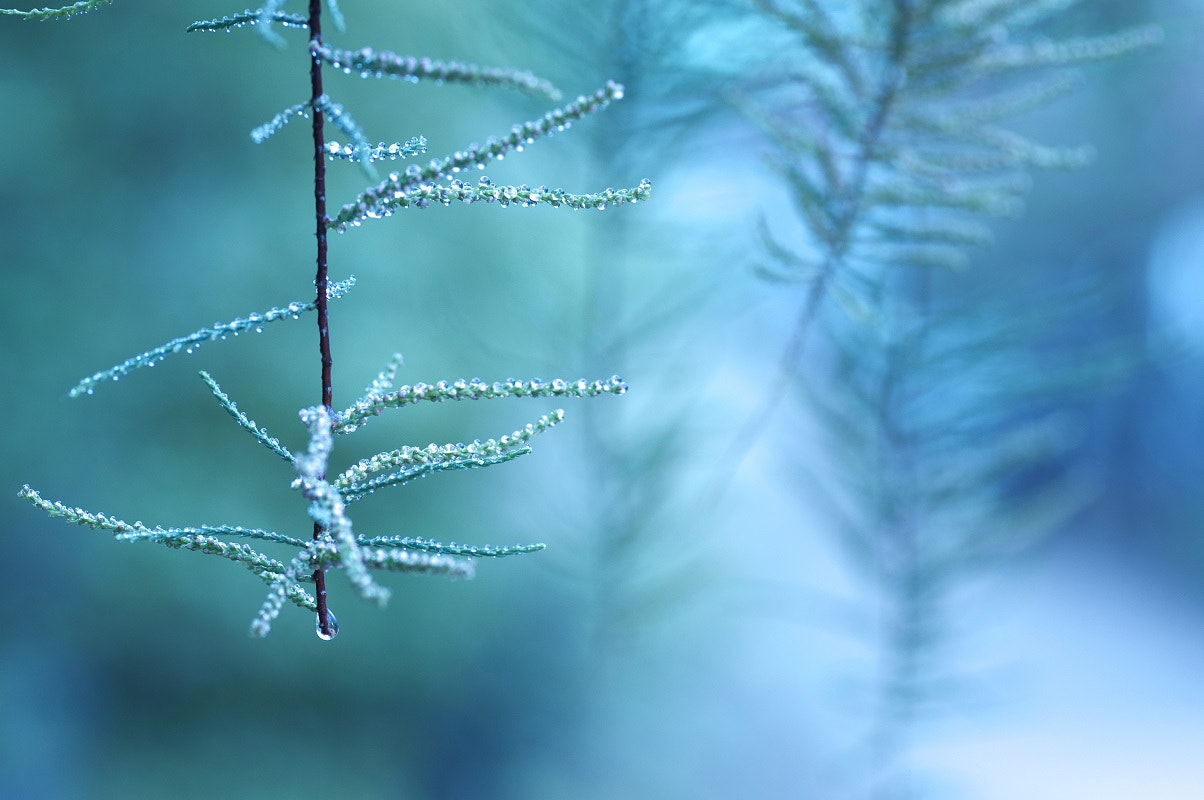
(315, 82)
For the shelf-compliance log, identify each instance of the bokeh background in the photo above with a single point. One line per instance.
(695, 628)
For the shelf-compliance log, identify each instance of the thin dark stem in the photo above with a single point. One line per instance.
(315, 82)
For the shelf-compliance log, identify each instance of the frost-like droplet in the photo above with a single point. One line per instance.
(333, 624)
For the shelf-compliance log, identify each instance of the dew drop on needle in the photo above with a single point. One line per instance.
(333, 625)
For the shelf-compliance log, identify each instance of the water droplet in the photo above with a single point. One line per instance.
(334, 626)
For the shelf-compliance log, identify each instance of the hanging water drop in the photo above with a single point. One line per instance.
(333, 624)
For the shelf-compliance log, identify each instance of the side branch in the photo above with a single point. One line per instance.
(42, 14)
(371, 64)
(217, 332)
(374, 204)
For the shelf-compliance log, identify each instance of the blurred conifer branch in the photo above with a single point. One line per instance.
(631, 516)
(890, 126)
(952, 444)
(887, 125)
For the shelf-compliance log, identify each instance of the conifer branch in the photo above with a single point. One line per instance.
(336, 15)
(451, 548)
(416, 145)
(396, 560)
(369, 406)
(407, 457)
(398, 184)
(485, 191)
(244, 422)
(269, 129)
(344, 122)
(247, 17)
(408, 463)
(372, 64)
(217, 332)
(334, 545)
(203, 539)
(321, 556)
(1046, 52)
(358, 490)
(133, 531)
(526, 133)
(890, 130)
(383, 381)
(64, 12)
(328, 509)
(264, 30)
(285, 586)
(361, 150)
(887, 131)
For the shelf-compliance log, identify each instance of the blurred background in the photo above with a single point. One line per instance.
(701, 624)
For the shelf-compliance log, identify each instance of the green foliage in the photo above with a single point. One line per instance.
(335, 544)
(341, 548)
(417, 185)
